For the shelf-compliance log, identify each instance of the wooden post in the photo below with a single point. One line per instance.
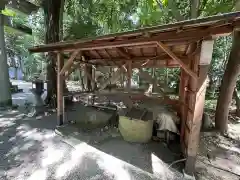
(129, 76)
(196, 97)
(59, 89)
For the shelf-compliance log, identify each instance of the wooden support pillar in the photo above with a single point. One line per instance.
(129, 76)
(182, 98)
(196, 96)
(60, 109)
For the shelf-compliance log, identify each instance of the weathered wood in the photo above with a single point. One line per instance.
(59, 89)
(163, 36)
(196, 102)
(69, 62)
(123, 53)
(173, 56)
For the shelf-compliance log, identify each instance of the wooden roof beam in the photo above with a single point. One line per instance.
(197, 33)
(174, 57)
(144, 58)
(123, 53)
(109, 56)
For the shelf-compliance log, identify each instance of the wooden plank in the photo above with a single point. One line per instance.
(69, 62)
(59, 90)
(173, 56)
(143, 58)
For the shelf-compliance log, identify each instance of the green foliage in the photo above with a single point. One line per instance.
(87, 18)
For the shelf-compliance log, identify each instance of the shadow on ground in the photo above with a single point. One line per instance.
(31, 150)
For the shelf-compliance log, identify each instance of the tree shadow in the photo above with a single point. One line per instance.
(152, 157)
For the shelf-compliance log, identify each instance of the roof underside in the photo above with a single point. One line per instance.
(140, 46)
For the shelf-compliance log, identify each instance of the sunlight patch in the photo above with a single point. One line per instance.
(52, 156)
(40, 174)
(76, 158)
(113, 167)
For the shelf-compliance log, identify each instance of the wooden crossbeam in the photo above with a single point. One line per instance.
(174, 57)
(162, 57)
(69, 62)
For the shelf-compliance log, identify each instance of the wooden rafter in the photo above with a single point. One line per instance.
(69, 62)
(174, 57)
(99, 55)
(123, 53)
(106, 51)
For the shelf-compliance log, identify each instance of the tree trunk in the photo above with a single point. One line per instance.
(52, 9)
(237, 99)
(228, 83)
(5, 95)
(194, 8)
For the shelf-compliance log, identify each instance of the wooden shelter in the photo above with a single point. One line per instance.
(186, 44)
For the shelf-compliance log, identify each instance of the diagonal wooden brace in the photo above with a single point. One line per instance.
(69, 72)
(69, 62)
(174, 57)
